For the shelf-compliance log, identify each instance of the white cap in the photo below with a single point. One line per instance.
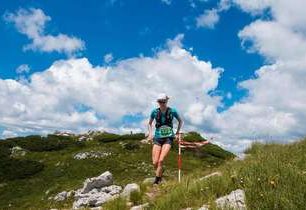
(162, 96)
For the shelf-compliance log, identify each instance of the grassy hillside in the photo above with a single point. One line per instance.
(273, 177)
(48, 167)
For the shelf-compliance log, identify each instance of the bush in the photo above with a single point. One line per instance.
(136, 136)
(37, 143)
(4, 151)
(107, 137)
(18, 169)
(193, 137)
(131, 146)
(110, 137)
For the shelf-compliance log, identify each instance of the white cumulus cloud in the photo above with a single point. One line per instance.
(75, 95)
(108, 58)
(31, 22)
(23, 68)
(208, 19)
(211, 17)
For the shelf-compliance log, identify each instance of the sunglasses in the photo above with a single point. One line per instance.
(162, 102)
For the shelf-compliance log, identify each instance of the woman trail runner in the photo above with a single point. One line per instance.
(164, 134)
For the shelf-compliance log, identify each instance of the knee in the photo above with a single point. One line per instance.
(155, 163)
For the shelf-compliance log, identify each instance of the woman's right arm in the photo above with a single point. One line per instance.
(150, 135)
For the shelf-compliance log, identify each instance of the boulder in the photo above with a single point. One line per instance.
(91, 199)
(96, 191)
(234, 200)
(129, 188)
(61, 196)
(70, 193)
(113, 189)
(103, 180)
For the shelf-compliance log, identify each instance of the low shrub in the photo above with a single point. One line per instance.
(131, 146)
(4, 151)
(37, 143)
(107, 137)
(12, 169)
(136, 136)
(193, 137)
(110, 137)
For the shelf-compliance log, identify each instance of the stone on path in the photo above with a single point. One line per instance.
(129, 188)
(235, 200)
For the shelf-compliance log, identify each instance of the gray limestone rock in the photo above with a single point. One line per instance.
(235, 200)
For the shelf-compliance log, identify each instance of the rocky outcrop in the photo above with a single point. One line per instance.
(63, 133)
(91, 154)
(62, 195)
(234, 200)
(96, 191)
(17, 152)
(94, 198)
(89, 135)
(103, 180)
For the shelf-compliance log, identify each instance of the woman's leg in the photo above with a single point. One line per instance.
(155, 154)
(164, 151)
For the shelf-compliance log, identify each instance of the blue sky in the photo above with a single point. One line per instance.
(230, 66)
(126, 31)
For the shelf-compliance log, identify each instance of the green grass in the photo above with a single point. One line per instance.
(273, 177)
(130, 162)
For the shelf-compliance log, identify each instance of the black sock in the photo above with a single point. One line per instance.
(157, 179)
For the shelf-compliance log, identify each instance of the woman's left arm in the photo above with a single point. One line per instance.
(180, 123)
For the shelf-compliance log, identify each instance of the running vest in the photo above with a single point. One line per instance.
(168, 121)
